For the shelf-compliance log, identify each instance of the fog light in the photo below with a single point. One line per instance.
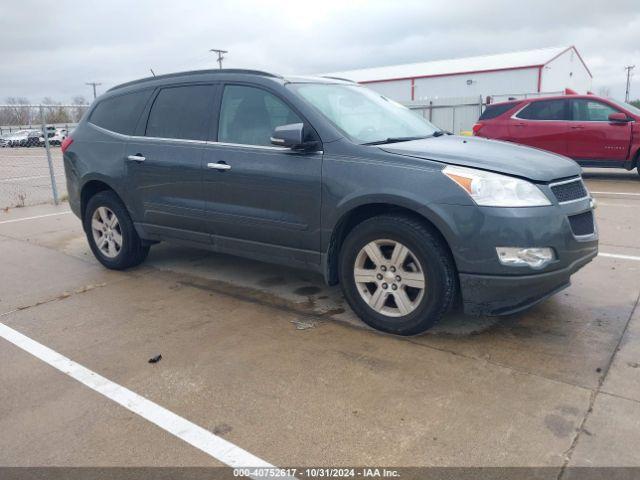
(530, 257)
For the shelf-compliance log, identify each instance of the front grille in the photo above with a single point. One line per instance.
(582, 224)
(566, 192)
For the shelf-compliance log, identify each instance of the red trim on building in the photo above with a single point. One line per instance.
(540, 78)
(451, 74)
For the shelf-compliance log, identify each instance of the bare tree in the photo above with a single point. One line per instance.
(81, 107)
(604, 92)
(54, 112)
(17, 112)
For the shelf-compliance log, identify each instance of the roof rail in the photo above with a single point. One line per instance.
(338, 78)
(195, 72)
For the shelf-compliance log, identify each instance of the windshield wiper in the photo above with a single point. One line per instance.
(395, 140)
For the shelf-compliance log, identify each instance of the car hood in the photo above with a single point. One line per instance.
(502, 157)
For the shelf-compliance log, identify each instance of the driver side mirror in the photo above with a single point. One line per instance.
(291, 136)
(618, 117)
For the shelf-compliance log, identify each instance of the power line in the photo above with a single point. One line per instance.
(628, 68)
(220, 55)
(94, 85)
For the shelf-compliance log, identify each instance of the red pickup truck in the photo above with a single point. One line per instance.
(594, 131)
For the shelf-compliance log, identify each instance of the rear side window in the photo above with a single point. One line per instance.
(493, 111)
(544, 110)
(181, 112)
(120, 114)
(584, 110)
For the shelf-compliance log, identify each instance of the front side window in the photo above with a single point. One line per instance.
(362, 114)
(248, 115)
(120, 114)
(182, 113)
(584, 110)
(544, 110)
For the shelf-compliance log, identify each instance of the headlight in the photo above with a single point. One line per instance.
(494, 190)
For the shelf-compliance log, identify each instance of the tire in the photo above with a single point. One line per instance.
(102, 207)
(426, 256)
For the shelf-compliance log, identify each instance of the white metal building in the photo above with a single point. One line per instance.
(516, 73)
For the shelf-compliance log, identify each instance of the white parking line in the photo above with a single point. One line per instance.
(22, 179)
(33, 218)
(213, 445)
(616, 255)
(616, 193)
(617, 205)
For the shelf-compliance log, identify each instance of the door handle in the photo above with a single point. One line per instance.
(577, 127)
(136, 158)
(219, 166)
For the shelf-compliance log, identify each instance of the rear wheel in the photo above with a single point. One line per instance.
(111, 234)
(397, 274)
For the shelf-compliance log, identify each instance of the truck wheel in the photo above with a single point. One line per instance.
(396, 274)
(112, 237)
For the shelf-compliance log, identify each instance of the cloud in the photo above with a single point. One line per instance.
(56, 52)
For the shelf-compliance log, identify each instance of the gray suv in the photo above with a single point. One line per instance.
(324, 174)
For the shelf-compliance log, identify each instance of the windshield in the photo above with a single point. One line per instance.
(364, 115)
(626, 106)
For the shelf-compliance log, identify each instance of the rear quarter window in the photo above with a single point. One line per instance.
(493, 111)
(120, 114)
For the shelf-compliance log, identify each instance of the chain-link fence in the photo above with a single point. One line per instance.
(31, 167)
(458, 114)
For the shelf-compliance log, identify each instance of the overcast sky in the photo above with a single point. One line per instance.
(51, 49)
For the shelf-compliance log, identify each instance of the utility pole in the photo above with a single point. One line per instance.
(220, 55)
(94, 85)
(628, 68)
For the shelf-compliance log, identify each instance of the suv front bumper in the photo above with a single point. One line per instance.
(504, 295)
(491, 288)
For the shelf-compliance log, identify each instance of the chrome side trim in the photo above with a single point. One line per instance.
(197, 142)
(244, 145)
(219, 166)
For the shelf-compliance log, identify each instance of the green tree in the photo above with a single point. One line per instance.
(636, 103)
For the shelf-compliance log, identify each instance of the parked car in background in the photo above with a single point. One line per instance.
(594, 131)
(328, 175)
(24, 138)
(58, 136)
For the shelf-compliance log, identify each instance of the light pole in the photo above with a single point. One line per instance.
(628, 68)
(220, 55)
(94, 85)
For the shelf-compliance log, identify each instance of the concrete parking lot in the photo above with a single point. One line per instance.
(274, 363)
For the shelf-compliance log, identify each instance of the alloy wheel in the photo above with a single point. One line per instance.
(389, 278)
(106, 231)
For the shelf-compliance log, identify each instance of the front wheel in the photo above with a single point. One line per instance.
(397, 274)
(111, 234)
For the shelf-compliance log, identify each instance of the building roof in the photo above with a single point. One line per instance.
(436, 68)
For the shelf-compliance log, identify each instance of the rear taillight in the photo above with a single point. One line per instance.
(66, 143)
(476, 128)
